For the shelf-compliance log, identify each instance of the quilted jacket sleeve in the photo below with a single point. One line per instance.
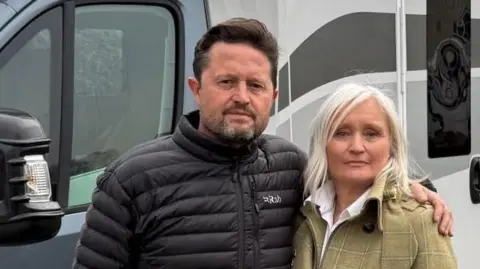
(105, 236)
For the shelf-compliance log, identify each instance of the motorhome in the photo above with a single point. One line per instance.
(82, 81)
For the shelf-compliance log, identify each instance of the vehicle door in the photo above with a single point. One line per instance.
(101, 77)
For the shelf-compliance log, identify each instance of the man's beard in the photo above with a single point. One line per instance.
(229, 135)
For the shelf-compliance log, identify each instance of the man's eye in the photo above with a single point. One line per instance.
(226, 81)
(256, 86)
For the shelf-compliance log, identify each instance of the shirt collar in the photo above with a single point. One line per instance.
(324, 198)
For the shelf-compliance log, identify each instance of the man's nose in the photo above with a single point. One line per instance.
(241, 94)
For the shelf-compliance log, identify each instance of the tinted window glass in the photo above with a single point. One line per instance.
(124, 86)
(25, 78)
(449, 84)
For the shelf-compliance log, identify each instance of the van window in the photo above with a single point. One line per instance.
(25, 78)
(449, 84)
(124, 86)
(30, 70)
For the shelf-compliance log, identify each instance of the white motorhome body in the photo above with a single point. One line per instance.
(387, 43)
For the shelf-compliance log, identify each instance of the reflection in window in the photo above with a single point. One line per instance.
(25, 79)
(98, 62)
(124, 86)
(448, 69)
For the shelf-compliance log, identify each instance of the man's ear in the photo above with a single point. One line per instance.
(194, 85)
(275, 94)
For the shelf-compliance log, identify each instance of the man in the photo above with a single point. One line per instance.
(217, 193)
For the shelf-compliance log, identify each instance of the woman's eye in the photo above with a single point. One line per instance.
(371, 134)
(341, 133)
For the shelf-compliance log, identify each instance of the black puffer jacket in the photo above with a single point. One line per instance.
(188, 202)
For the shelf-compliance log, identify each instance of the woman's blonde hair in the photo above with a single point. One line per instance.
(399, 170)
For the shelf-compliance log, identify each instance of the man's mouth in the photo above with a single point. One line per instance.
(239, 113)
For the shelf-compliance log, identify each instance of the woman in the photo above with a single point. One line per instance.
(360, 212)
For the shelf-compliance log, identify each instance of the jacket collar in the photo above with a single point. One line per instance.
(203, 147)
(380, 191)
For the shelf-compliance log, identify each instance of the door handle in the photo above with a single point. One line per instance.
(475, 180)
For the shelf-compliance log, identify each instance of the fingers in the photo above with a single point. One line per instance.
(450, 228)
(438, 206)
(419, 192)
(442, 214)
(437, 202)
(446, 224)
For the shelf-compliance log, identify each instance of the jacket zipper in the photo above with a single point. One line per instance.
(241, 222)
(255, 211)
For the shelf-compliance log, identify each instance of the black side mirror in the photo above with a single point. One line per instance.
(27, 212)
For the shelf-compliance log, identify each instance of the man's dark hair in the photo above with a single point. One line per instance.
(234, 31)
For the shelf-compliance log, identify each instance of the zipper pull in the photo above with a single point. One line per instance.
(235, 169)
(252, 184)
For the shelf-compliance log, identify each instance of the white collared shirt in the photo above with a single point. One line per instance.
(325, 199)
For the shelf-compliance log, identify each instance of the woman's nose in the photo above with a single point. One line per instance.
(357, 144)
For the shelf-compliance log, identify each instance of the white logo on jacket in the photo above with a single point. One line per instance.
(272, 199)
